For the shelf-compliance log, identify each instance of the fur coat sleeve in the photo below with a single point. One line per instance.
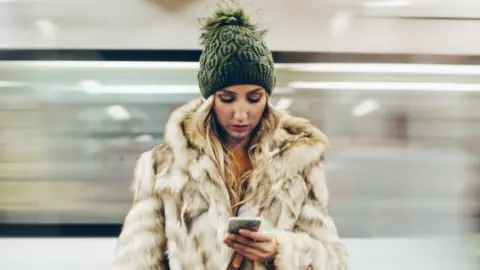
(141, 243)
(314, 243)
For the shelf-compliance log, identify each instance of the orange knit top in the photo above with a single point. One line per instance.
(241, 164)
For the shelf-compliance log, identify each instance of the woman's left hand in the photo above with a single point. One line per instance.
(256, 246)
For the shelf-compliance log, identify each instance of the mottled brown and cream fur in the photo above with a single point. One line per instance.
(181, 205)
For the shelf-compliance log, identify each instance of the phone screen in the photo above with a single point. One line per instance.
(236, 224)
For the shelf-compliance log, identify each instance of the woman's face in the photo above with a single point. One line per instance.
(239, 109)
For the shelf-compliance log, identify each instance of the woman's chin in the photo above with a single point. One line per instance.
(238, 136)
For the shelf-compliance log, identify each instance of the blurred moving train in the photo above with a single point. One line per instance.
(403, 163)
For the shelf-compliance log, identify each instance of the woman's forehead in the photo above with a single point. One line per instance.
(242, 89)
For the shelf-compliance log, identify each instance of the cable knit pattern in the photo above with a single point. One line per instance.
(234, 53)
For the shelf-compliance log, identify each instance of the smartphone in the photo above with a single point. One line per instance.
(247, 223)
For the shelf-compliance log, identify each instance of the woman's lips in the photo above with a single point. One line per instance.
(240, 128)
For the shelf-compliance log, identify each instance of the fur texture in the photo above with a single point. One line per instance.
(179, 216)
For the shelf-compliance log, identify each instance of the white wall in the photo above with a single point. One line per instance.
(371, 254)
(307, 25)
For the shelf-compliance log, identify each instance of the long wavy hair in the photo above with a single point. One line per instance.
(257, 148)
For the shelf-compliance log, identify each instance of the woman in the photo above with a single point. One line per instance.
(231, 153)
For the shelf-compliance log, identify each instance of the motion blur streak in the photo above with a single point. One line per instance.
(402, 170)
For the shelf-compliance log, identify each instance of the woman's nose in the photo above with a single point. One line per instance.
(240, 113)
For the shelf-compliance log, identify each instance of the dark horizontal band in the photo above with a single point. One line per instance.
(11, 230)
(194, 55)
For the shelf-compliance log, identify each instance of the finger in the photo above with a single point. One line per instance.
(228, 242)
(258, 248)
(230, 237)
(246, 241)
(237, 260)
(257, 236)
(250, 255)
(249, 252)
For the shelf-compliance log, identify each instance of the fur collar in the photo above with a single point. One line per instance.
(297, 142)
(297, 145)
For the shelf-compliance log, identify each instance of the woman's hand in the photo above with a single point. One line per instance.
(256, 246)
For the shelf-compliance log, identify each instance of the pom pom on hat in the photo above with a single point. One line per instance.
(225, 16)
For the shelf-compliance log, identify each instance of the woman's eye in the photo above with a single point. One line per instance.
(226, 99)
(255, 98)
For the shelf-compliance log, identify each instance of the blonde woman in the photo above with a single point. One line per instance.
(232, 154)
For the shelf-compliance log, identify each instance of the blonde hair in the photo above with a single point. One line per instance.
(222, 156)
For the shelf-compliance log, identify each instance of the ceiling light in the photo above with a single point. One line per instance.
(144, 138)
(11, 84)
(388, 86)
(91, 86)
(18, 1)
(283, 103)
(47, 28)
(94, 88)
(387, 68)
(105, 64)
(365, 107)
(118, 113)
(388, 3)
(340, 22)
(296, 67)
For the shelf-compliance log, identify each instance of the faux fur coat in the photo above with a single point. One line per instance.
(181, 205)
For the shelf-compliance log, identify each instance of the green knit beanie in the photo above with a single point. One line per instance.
(234, 53)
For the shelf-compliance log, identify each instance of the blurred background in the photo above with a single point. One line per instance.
(86, 86)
